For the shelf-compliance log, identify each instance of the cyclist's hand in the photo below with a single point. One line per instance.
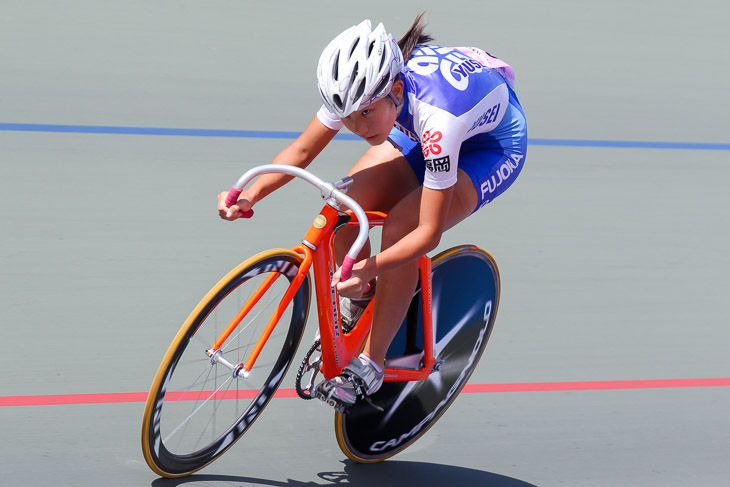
(235, 211)
(356, 285)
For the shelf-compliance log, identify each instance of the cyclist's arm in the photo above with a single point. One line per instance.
(441, 142)
(441, 138)
(299, 153)
(433, 214)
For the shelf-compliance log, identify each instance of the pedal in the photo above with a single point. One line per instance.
(333, 402)
(324, 390)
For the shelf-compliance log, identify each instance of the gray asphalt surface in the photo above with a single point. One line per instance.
(613, 260)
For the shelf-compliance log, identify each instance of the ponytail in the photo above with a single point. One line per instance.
(414, 37)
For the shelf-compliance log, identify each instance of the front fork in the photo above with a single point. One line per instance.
(215, 352)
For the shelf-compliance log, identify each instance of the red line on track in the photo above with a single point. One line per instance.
(596, 385)
(122, 397)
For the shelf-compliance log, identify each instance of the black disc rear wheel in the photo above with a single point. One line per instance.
(465, 300)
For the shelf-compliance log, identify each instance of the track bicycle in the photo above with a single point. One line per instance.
(232, 353)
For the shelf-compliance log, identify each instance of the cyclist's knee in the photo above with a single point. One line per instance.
(381, 180)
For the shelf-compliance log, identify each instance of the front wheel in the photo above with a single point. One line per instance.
(197, 407)
(465, 291)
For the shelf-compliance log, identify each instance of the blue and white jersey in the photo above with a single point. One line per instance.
(453, 95)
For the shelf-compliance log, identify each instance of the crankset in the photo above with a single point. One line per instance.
(310, 365)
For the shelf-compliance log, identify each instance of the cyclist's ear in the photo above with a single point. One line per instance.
(398, 88)
(398, 91)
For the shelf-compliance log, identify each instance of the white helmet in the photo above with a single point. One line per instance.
(358, 68)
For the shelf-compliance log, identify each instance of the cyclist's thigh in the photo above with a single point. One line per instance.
(382, 177)
(404, 216)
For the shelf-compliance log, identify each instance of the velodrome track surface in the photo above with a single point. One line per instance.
(121, 121)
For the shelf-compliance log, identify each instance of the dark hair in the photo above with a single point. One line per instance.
(414, 37)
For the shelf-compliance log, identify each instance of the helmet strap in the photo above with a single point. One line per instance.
(398, 103)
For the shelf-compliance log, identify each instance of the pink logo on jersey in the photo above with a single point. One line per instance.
(429, 145)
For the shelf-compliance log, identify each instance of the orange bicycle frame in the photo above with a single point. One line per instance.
(317, 250)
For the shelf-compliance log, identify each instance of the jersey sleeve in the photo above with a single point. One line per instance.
(329, 119)
(441, 135)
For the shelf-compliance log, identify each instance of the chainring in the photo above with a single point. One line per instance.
(309, 365)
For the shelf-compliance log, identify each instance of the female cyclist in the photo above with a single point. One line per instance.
(448, 136)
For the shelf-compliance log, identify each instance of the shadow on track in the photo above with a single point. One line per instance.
(386, 474)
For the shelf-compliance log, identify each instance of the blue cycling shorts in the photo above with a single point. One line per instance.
(491, 163)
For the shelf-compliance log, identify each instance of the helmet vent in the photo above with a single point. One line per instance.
(381, 86)
(371, 47)
(360, 90)
(352, 49)
(338, 101)
(335, 67)
(354, 72)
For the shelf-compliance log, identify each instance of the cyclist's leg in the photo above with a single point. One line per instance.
(393, 294)
(388, 178)
(395, 288)
(484, 173)
(381, 178)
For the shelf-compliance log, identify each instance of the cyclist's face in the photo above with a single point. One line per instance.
(374, 122)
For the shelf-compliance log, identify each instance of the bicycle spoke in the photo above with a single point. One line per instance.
(212, 419)
(247, 346)
(185, 421)
(208, 370)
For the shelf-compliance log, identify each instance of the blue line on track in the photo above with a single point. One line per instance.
(267, 134)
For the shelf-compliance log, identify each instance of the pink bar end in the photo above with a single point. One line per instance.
(233, 195)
